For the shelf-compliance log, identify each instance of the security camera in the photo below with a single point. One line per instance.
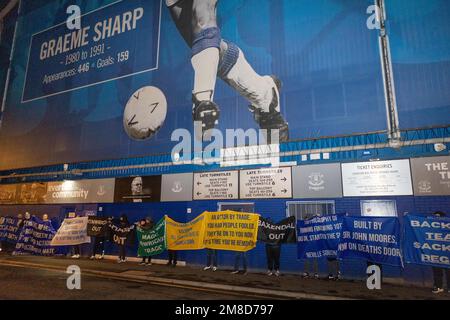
(439, 147)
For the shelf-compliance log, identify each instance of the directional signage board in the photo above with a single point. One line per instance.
(266, 183)
(216, 185)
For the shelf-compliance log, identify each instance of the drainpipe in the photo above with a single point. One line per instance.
(394, 135)
(9, 7)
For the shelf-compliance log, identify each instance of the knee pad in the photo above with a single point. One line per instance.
(208, 38)
(228, 60)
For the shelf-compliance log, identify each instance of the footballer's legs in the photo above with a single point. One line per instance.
(211, 56)
(196, 21)
(263, 92)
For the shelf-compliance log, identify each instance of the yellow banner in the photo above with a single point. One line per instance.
(230, 230)
(185, 236)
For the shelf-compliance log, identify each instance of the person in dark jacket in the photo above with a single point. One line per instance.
(123, 224)
(438, 273)
(273, 252)
(98, 250)
(76, 249)
(211, 260)
(173, 257)
(146, 225)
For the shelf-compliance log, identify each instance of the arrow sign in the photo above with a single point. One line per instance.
(284, 179)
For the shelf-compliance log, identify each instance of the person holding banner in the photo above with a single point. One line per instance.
(121, 237)
(438, 273)
(334, 272)
(98, 230)
(76, 249)
(173, 257)
(211, 260)
(146, 225)
(273, 252)
(238, 256)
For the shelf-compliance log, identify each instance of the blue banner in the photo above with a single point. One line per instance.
(373, 239)
(35, 238)
(319, 237)
(427, 241)
(10, 229)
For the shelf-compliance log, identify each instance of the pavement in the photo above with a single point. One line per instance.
(251, 285)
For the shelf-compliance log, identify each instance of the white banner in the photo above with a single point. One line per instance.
(378, 178)
(72, 232)
(266, 183)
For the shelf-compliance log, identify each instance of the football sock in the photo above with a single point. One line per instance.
(255, 88)
(205, 64)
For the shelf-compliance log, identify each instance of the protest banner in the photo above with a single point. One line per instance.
(35, 238)
(152, 242)
(97, 226)
(319, 236)
(372, 239)
(185, 236)
(122, 235)
(427, 241)
(72, 232)
(230, 230)
(10, 229)
(277, 233)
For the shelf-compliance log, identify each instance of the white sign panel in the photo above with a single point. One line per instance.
(266, 183)
(72, 232)
(380, 178)
(216, 185)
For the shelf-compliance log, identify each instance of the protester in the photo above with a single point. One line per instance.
(146, 225)
(273, 252)
(311, 266)
(98, 250)
(438, 273)
(211, 262)
(238, 256)
(333, 268)
(173, 257)
(76, 249)
(123, 223)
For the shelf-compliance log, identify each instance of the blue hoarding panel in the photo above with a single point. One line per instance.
(420, 46)
(69, 90)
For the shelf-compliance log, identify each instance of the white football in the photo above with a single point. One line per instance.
(145, 113)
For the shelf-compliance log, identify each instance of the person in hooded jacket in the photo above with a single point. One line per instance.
(438, 273)
(123, 224)
(146, 225)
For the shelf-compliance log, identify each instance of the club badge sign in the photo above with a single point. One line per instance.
(266, 183)
(317, 181)
(138, 189)
(216, 185)
(176, 187)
